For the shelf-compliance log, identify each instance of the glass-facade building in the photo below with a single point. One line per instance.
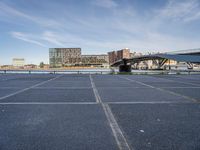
(59, 57)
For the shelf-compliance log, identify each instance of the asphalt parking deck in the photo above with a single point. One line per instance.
(109, 112)
(160, 126)
(54, 127)
(53, 95)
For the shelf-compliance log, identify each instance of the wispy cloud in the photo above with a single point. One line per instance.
(118, 29)
(26, 38)
(52, 38)
(13, 12)
(193, 17)
(105, 3)
(49, 38)
(185, 10)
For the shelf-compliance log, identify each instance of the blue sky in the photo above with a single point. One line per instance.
(29, 27)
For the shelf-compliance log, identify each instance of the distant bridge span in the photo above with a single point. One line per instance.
(162, 57)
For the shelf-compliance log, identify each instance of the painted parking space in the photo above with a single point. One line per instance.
(54, 127)
(160, 126)
(99, 112)
(53, 95)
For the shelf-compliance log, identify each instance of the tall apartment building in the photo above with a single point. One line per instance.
(18, 62)
(59, 57)
(124, 53)
(117, 55)
(112, 56)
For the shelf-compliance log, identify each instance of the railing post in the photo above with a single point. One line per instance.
(5, 71)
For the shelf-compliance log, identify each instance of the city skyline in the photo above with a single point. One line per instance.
(29, 28)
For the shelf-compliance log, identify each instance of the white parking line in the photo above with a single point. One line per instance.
(87, 103)
(97, 97)
(141, 83)
(130, 87)
(48, 103)
(23, 90)
(65, 88)
(181, 87)
(152, 102)
(118, 134)
(173, 93)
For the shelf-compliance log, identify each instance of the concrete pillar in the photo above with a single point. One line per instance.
(125, 68)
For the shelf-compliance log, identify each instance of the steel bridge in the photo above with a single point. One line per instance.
(188, 56)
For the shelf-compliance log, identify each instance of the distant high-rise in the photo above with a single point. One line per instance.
(18, 62)
(59, 57)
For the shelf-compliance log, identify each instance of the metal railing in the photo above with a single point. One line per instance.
(56, 71)
(112, 71)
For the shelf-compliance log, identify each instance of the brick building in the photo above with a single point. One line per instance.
(117, 55)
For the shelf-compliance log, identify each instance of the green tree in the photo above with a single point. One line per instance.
(42, 65)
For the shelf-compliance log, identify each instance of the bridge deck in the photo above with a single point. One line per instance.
(99, 112)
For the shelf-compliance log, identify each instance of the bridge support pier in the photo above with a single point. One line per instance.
(125, 68)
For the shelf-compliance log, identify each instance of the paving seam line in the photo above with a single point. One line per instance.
(23, 90)
(187, 78)
(117, 132)
(164, 90)
(188, 83)
(2, 88)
